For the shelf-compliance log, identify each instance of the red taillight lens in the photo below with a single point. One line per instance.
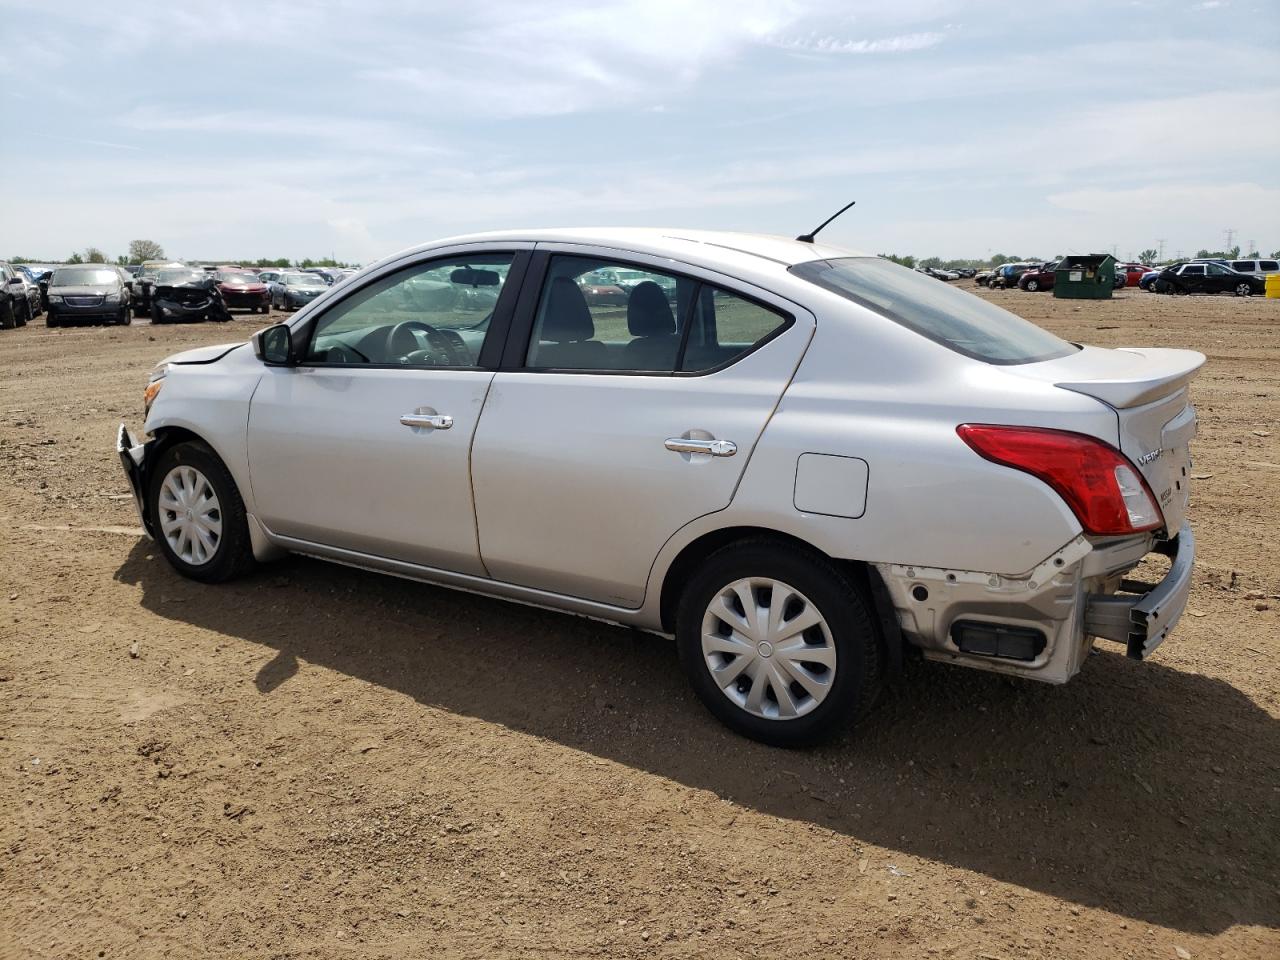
(1099, 484)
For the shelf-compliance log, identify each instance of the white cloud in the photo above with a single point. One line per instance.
(903, 43)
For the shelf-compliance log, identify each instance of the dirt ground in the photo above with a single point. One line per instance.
(317, 762)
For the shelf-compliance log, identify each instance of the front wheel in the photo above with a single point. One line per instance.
(198, 514)
(778, 643)
(1033, 285)
(1244, 290)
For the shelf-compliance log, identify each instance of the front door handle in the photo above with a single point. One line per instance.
(434, 421)
(717, 448)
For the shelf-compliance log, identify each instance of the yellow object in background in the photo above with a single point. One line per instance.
(1273, 286)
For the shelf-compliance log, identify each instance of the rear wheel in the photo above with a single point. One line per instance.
(778, 643)
(199, 516)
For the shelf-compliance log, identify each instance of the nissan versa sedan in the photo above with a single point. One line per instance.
(801, 462)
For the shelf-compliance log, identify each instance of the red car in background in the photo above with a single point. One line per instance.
(1132, 272)
(1039, 277)
(243, 289)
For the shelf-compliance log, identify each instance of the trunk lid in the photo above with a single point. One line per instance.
(1155, 421)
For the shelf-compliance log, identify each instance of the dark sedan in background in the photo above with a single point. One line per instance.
(183, 294)
(243, 289)
(1207, 277)
(293, 290)
(87, 293)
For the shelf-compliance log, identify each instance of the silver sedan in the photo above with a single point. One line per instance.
(801, 462)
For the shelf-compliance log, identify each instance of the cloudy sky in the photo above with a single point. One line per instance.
(356, 127)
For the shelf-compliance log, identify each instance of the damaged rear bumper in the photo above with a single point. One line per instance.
(1141, 614)
(134, 459)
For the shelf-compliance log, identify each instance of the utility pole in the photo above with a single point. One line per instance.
(1161, 242)
(1231, 235)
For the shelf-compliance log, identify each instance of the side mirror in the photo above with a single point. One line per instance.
(273, 345)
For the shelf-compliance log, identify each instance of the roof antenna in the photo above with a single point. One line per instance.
(808, 237)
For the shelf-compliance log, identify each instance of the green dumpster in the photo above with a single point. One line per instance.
(1085, 276)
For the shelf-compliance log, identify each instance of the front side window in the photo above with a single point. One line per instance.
(1218, 270)
(599, 315)
(431, 314)
(1193, 270)
(1244, 266)
(961, 321)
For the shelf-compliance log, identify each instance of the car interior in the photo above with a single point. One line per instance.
(439, 316)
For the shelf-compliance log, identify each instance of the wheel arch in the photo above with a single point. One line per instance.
(860, 572)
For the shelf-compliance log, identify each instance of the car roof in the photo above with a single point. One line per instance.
(708, 246)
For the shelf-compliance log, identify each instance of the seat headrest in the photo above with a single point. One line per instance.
(648, 312)
(566, 316)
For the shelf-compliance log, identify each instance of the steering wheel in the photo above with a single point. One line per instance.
(403, 344)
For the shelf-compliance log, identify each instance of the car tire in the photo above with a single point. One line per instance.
(125, 318)
(1244, 290)
(23, 316)
(844, 634)
(1033, 285)
(209, 540)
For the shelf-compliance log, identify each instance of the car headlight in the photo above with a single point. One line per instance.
(154, 382)
(111, 298)
(55, 298)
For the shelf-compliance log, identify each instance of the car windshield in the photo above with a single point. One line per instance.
(236, 276)
(73, 276)
(305, 280)
(171, 277)
(956, 319)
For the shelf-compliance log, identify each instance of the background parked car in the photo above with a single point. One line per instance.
(15, 309)
(1118, 279)
(186, 294)
(1039, 277)
(145, 277)
(1208, 277)
(983, 277)
(1132, 272)
(294, 290)
(1257, 268)
(1006, 276)
(243, 289)
(91, 292)
(26, 302)
(1147, 279)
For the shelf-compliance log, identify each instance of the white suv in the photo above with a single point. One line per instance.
(1259, 268)
(804, 463)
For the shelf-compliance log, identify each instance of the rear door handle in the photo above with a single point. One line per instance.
(717, 448)
(434, 421)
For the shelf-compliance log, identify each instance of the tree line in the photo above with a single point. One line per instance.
(142, 250)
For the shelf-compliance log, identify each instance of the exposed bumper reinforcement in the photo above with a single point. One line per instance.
(1142, 616)
(133, 457)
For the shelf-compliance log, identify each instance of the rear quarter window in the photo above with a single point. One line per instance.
(954, 318)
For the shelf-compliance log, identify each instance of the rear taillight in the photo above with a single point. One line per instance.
(1099, 484)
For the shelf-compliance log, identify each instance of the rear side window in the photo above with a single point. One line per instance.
(606, 316)
(1193, 269)
(1269, 266)
(966, 323)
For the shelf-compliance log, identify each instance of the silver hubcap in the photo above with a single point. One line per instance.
(768, 648)
(190, 515)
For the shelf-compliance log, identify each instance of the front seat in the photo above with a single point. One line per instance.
(651, 322)
(565, 339)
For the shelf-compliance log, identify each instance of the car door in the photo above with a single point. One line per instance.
(1192, 277)
(364, 446)
(1219, 279)
(611, 426)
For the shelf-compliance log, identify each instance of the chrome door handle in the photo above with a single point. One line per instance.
(435, 421)
(717, 448)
